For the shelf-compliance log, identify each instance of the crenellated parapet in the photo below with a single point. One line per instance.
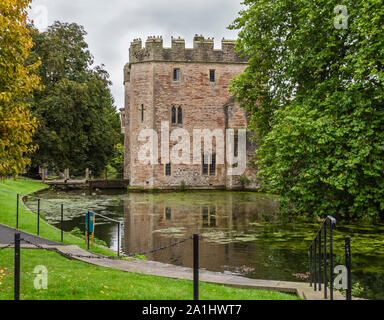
(202, 51)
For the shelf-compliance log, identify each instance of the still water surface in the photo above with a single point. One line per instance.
(242, 232)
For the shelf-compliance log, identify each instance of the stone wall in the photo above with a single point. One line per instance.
(202, 51)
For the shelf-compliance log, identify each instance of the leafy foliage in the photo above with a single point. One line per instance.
(315, 94)
(79, 122)
(117, 161)
(17, 81)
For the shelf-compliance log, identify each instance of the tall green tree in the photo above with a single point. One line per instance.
(314, 88)
(79, 124)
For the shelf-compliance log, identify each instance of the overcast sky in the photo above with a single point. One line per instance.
(112, 25)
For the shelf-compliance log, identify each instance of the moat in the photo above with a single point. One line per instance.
(242, 232)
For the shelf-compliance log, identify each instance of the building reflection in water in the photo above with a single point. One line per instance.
(156, 220)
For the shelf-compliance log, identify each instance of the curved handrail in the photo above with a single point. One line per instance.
(332, 224)
(315, 251)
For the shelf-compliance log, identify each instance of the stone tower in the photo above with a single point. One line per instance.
(189, 89)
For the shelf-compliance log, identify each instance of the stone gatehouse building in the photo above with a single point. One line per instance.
(189, 88)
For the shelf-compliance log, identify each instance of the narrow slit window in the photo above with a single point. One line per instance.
(142, 113)
(173, 115)
(212, 75)
(176, 74)
(236, 144)
(205, 165)
(168, 169)
(180, 115)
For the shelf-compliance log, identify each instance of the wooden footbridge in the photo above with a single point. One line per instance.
(84, 183)
(88, 184)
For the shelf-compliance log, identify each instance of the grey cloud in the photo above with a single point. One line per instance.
(112, 25)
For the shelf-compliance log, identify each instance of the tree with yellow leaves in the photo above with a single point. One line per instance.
(17, 81)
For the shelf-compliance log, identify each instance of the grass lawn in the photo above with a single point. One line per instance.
(76, 280)
(28, 220)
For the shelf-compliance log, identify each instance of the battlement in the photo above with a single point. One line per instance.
(202, 51)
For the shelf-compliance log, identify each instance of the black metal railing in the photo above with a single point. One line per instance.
(318, 256)
(348, 292)
(17, 266)
(62, 207)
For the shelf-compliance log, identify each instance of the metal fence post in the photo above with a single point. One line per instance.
(348, 265)
(319, 261)
(315, 265)
(17, 266)
(195, 267)
(38, 216)
(118, 239)
(61, 222)
(325, 260)
(88, 229)
(310, 266)
(17, 212)
(331, 262)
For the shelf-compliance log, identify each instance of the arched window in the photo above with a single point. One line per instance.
(173, 115)
(180, 115)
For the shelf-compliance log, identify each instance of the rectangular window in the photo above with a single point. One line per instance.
(212, 166)
(176, 74)
(168, 213)
(142, 113)
(180, 115)
(212, 75)
(168, 169)
(205, 165)
(173, 114)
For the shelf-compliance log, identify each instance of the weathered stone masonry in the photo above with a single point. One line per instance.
(151, 92)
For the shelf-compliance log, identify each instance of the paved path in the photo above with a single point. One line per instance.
(7, 236)
(302, 289)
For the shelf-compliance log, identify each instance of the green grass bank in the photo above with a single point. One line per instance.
(76, 280)
(28, 219)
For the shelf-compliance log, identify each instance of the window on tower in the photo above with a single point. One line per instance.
(168, 169)
(173, 115)
(209, 165)
(205, 165)
(176, 74)
(212, 75)
(212, 166)
(180, 115)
